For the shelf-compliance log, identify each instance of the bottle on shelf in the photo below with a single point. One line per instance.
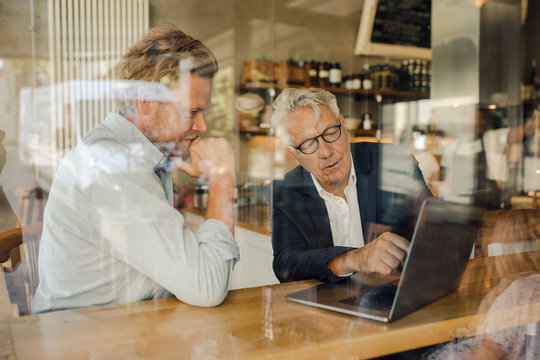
(410, 75)
(347, 82)
(367, 121)
(424, 87)
(367, 82)
(402, 81)
(374, 73)
(429, 79)
(299, 73)
(417, 73)
(313, 73)
(356, 81)
(324, 73)
(386, 78)
(335, 75)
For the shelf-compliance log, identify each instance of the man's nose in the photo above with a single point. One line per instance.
(325, 149)
(199, 123)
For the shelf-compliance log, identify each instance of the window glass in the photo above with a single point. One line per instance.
(434, 178)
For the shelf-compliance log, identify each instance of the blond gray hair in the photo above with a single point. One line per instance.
(158, 58)
(293, 99)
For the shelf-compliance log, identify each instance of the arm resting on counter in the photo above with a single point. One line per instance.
(193, 266)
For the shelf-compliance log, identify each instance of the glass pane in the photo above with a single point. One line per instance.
(141, 176)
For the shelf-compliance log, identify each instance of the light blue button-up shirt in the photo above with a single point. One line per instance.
(111, 234)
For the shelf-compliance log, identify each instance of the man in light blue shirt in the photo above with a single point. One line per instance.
(111, 234)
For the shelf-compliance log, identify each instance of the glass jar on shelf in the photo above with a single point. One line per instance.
(367, 81)
(324, 73)
(313, 73)
(356, 82)
(335, 75)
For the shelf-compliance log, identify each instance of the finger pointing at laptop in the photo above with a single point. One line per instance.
(384, 256)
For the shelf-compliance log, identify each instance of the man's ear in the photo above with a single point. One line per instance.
(292, 155)
(344, 127)
(145, 106)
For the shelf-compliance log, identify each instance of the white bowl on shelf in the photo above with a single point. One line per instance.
(249, 103)
(352, 123)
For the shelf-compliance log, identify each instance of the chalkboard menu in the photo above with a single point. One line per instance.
(403, 22)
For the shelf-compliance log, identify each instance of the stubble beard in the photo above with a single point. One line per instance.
(175, 149)
(184, 151)
(179, 149)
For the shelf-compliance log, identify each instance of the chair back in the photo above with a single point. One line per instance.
(31, 239)
(24, 247)
(10, 252)
(31, 204)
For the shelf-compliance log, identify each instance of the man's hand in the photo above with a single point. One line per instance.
(211, 158)
(384, 255)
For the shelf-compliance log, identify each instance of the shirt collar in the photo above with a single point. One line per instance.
(130, 136)
(325, 194)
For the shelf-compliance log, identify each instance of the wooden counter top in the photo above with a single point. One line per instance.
(255, 218)
(259, 323)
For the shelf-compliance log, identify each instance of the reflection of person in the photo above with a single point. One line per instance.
(427, 162)
(502, 335)
(498, 151)
(8, 220)
(524, 150)
(321, 211)
(111, 234)
(523, 131)
(475, 164)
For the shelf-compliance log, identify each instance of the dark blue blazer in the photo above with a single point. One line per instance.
(301, 235)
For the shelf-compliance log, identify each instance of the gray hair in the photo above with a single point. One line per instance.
(293, 99)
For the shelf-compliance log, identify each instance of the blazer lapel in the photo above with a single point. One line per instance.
(316, 208)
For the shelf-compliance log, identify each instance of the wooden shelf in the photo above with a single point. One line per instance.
(255, 130)
(339, 90)
(362, 132)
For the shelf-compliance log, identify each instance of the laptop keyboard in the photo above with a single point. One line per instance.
(376, 298)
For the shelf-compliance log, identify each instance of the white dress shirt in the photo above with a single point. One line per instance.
(344, 214)
(111, 234)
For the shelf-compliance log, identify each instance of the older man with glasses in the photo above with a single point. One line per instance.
(322, 209)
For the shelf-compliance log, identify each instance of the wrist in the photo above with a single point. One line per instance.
(340, 264)
(221, 201)
(225, 178)
(222, 186)
(359, 260)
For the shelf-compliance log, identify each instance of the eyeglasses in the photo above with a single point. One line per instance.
(330, 135)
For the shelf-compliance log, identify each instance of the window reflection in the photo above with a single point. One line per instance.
(462, 127)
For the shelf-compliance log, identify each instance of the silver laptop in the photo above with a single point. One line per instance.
(439, 251)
